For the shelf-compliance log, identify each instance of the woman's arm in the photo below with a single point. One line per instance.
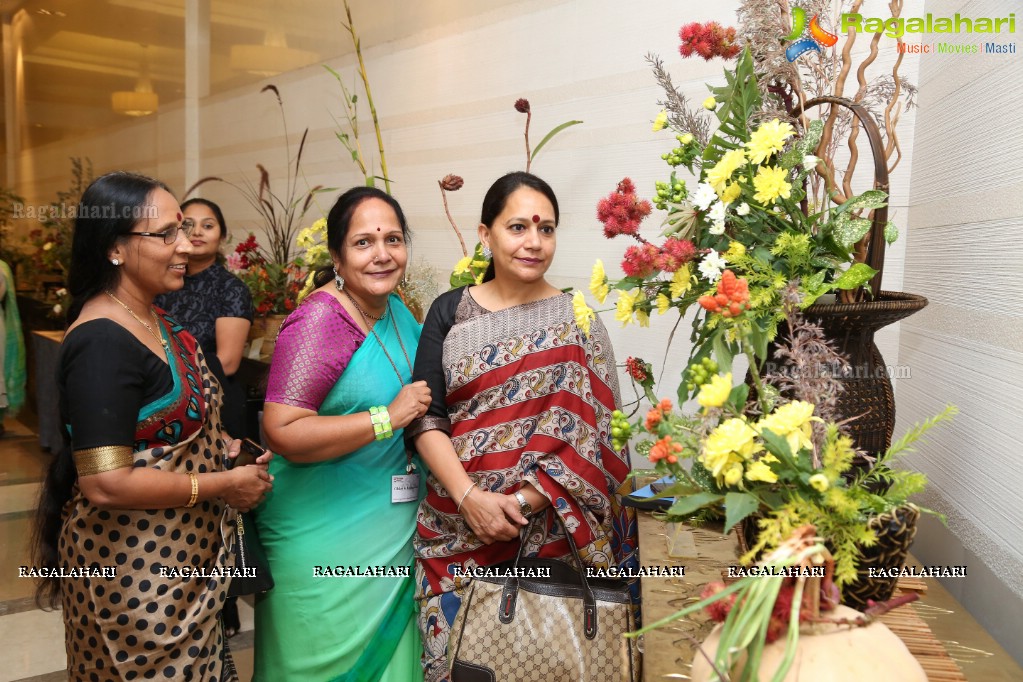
(491, 516)
(302, 435)
(144, 488)
(232, 333)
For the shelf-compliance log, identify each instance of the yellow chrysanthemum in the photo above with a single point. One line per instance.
(732, 440)
(733, 474)
(317, 253)
(643, 317)
(735, 251)
(731, 193)
(624, 305)
(715, 392)
(598, 282)
(463, 265)
(681, 281)
(820, 482)
(685, 138)
(661, 121)
(771, 183)
(759, 471)
(791, 421)
(583, 313)
(663, 304)
(768, 139)
(719, 175)
(710, 103)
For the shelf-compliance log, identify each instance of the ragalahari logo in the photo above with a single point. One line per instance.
(807, 38)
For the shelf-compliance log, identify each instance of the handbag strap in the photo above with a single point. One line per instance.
(509, 595)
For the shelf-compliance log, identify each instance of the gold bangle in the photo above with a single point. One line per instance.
(195, 490)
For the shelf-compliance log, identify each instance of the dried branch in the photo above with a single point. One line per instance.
(680, 116)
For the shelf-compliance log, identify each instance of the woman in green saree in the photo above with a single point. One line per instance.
(338, 527)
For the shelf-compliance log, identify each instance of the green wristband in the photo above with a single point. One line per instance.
(381, 420)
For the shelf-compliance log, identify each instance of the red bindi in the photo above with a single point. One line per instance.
(179, 217)
(536, 218)
(378, 229)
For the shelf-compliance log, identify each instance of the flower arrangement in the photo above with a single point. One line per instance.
(275, 287)
(273, 275)
(744, 214)
(781, 456)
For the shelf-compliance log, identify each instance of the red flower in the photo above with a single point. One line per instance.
(719, 609)
(522, 105)
(674, 254)
(622, 211)
(637, 369)
(732, 297)
(708, 40)
(640, 261)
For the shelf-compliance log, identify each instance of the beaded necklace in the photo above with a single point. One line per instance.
(379, 341)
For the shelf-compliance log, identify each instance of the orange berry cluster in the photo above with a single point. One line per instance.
(732, 297)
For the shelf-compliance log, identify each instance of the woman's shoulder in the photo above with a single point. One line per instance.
(445, 305)
(101, 337)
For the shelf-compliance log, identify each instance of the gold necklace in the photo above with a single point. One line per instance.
(163, 341)
(381, 343)
(361, 311)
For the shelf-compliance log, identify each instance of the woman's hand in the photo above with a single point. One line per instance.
(411, 403)
(234, 449)
(248, 486)
(493, 517)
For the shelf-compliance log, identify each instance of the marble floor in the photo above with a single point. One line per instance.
(31, 639)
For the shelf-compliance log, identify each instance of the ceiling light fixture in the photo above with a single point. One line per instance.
(141, 101)
(271, 58)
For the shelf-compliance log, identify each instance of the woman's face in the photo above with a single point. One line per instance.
(205, 237)
(149, 266)
(522, 237)
(373, 254)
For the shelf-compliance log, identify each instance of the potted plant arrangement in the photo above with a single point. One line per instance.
(752, 242)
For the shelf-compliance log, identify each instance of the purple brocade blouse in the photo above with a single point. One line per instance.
(314, 347)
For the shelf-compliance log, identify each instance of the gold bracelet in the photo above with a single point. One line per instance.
(195, 490)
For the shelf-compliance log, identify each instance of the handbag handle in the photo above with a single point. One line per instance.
(509, 595)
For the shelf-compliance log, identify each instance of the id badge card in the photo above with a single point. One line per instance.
(404, 488)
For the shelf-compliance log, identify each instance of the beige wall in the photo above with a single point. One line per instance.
(964, 254)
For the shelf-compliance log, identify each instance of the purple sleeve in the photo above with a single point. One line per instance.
(314, 346)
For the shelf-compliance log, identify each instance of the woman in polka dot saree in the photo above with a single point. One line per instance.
(139, 502)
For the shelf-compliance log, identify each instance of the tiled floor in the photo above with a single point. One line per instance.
(32, 640)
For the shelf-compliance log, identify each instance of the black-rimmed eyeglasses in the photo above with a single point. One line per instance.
(170, 235)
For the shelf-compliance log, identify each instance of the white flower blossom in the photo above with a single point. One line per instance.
(716, 212)
(704, 196)
(743, 209)
(58, 309)
(810, 161)
(711, 266)
(718, 227)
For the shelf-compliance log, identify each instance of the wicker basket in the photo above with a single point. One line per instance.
(868, 396)
(895, 532)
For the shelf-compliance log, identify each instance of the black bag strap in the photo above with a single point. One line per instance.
(509, 595)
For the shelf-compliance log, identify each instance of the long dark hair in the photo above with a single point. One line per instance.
(340, 219)
(109, 208)
(497, 197)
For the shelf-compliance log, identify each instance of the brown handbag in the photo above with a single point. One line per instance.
(565, 627)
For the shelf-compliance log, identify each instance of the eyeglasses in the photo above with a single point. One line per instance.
(169, 235)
